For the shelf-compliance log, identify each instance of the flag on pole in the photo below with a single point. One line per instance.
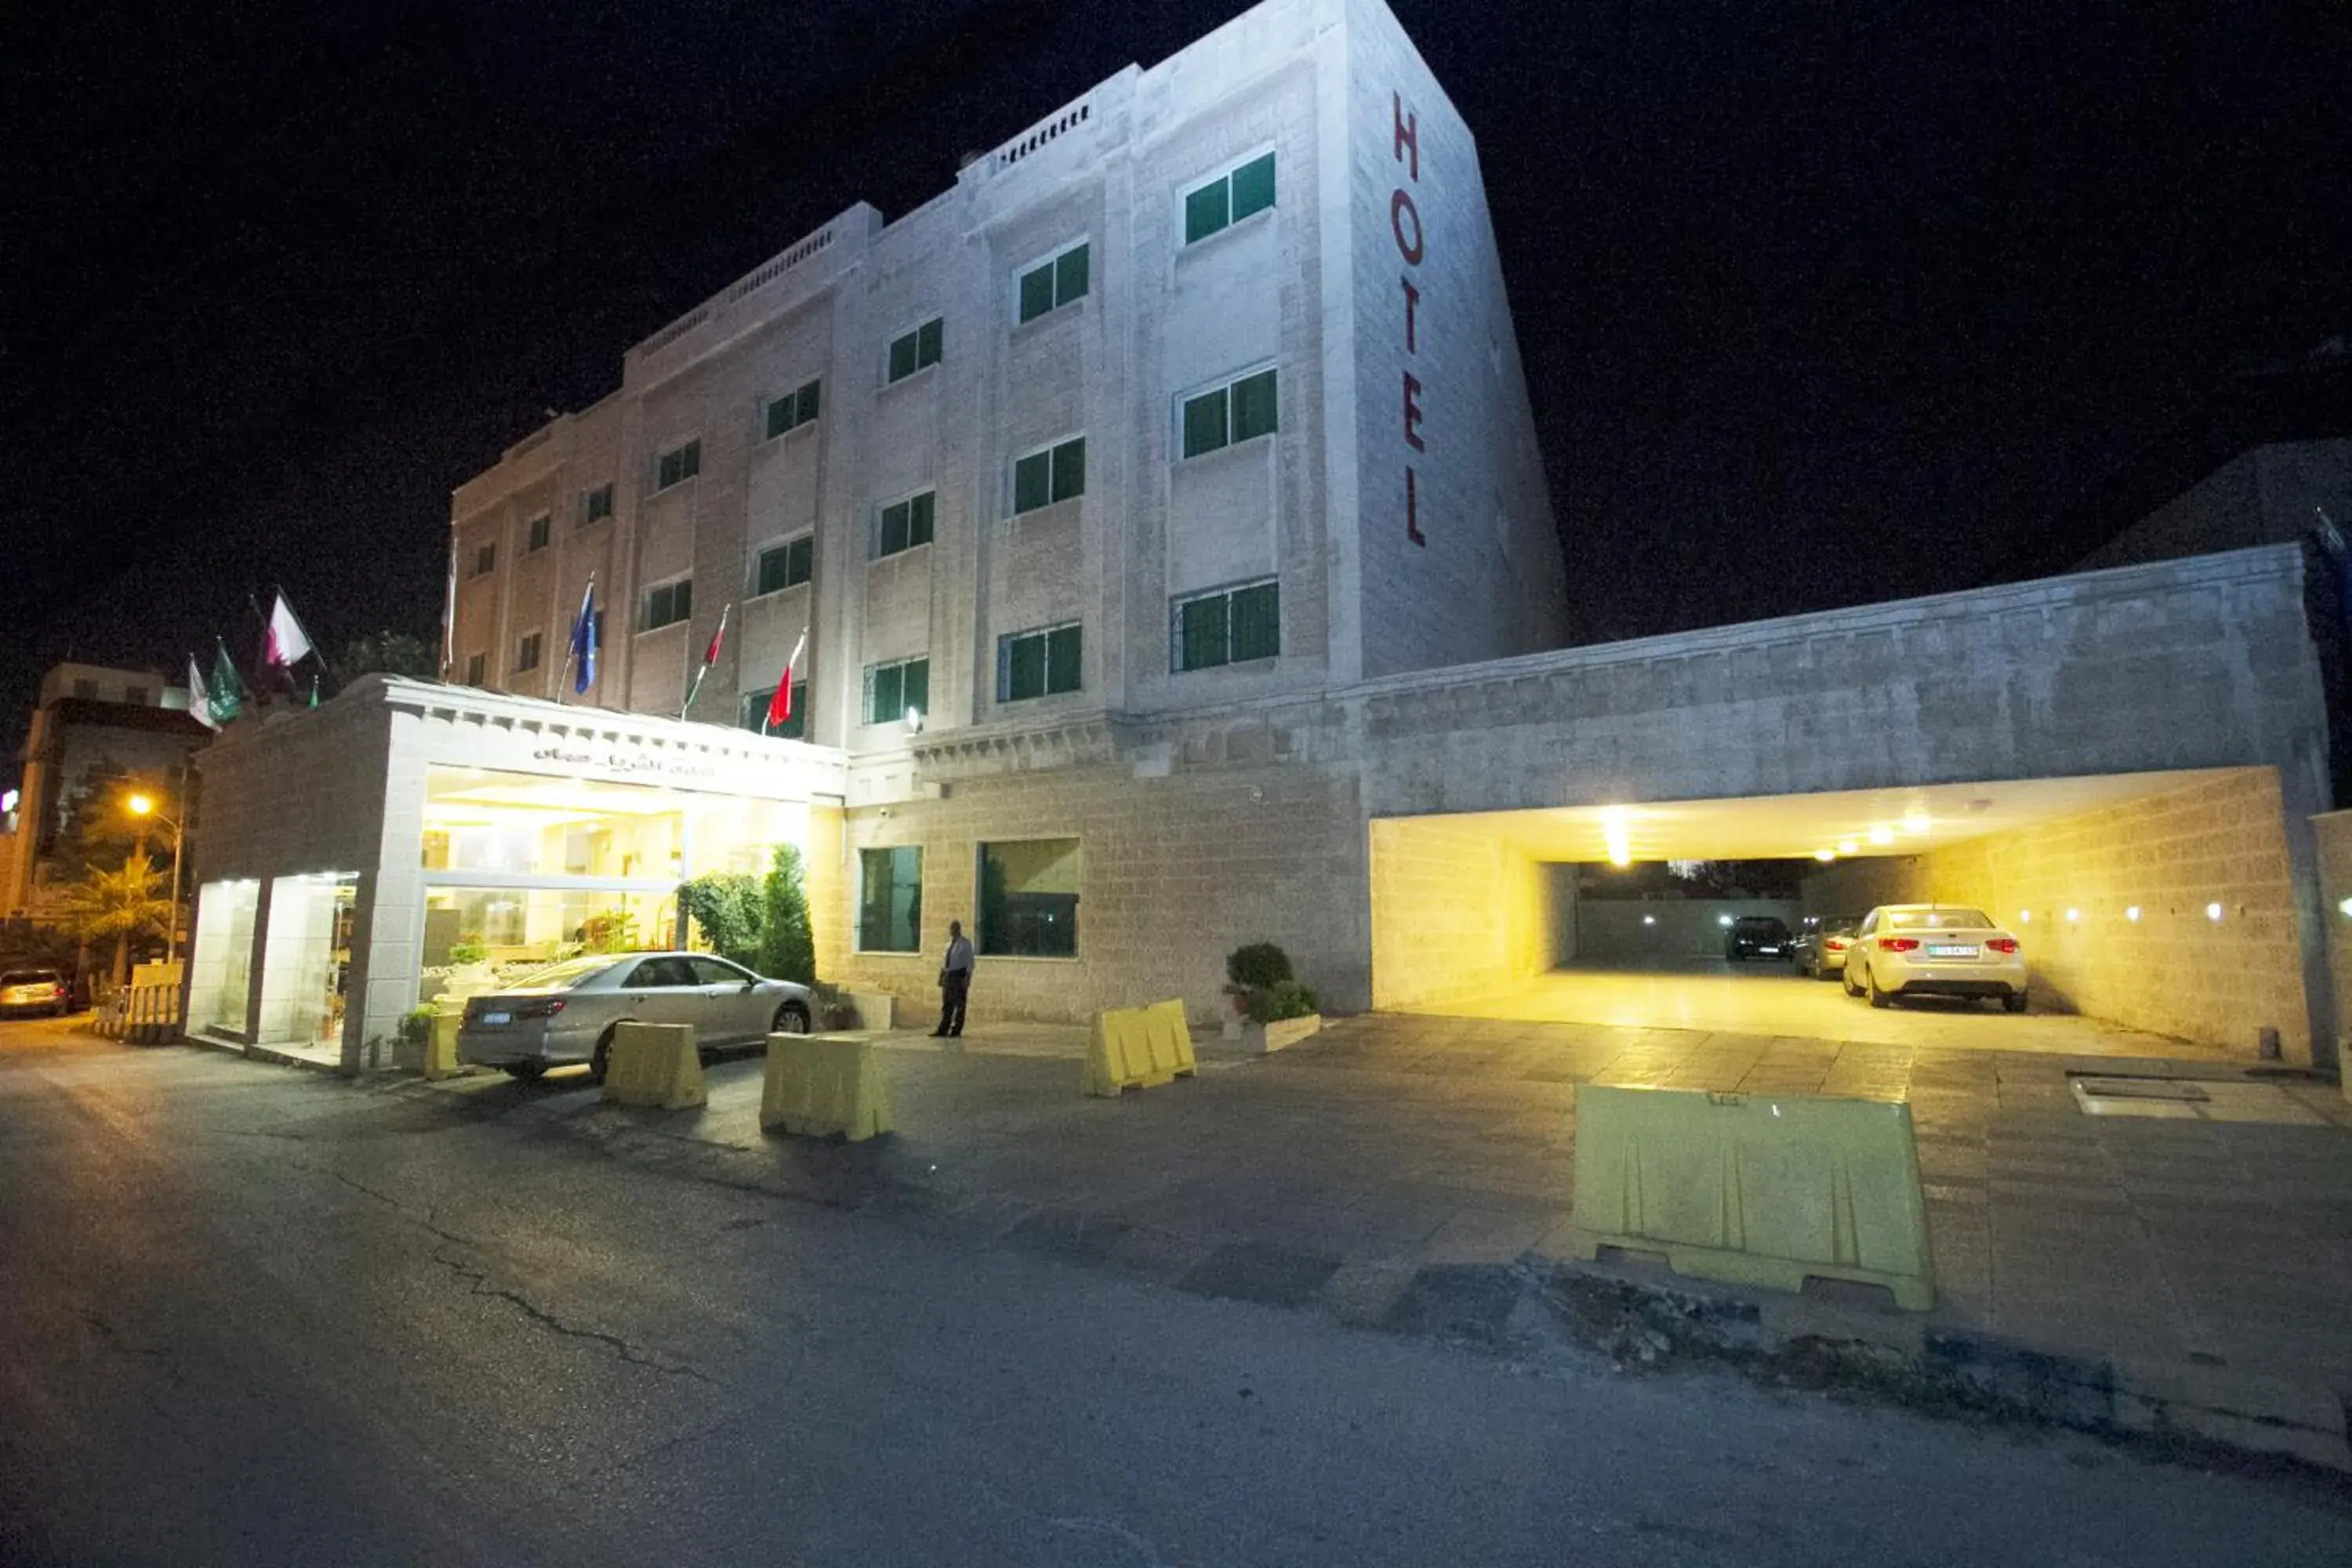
(314, 690)
(200, 701)
(286, 642)
(225, 696)
(582, 657)
(780, 706)
(709, 657)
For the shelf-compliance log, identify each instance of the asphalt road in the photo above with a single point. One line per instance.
(257, 1316)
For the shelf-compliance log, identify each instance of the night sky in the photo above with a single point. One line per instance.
(1797, 285)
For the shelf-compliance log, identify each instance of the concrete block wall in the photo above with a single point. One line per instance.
(1458, 911)
(2172, 971)
(1175, 873)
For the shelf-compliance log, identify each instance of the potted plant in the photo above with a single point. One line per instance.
(1269, 1008)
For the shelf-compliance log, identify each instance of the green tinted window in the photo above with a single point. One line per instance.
(1063, 651)
(754, 712)
(1070, 469)
(806, 398)
(1200, 632)
(1252, 187)
(890, 899)
(902, 357)
(1256, 623)
(787, 566)
(1228, 627)
(1070, 276)
(929, 339)
(1206, 212)
(1029, 898)
(1254, 405)
(1021, 668)
(1033, 482)
(1204, 423)
(1036, 292)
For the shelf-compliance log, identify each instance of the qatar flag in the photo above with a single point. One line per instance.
(287, 643)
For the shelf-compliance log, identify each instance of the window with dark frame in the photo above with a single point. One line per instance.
(677, 465)
(1229, 414)
(1042, 663)
(786, 565)
(890, 899)
(752, 713)
(536, 537)
(474, 663)
(1232, 625)
(1230, 197)
(667, 603)
(486, 557)
(895, 689)
(915, 350)
(527, 653)
(595, 505)
(1050, 285)
(1056, 474)
(1029, 898)
(904, 525)
(792, 410)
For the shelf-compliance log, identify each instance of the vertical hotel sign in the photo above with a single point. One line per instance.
(1404, 225)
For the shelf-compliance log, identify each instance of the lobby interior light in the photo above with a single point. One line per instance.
(2132, 914)
(1916, 822)
(2025, 917)
(1848, 847)
(2344, 907)
(1825, 856)
(2074, 915)
(1882, 835)
(915, 720)
(2212, 911)
(1617, 835)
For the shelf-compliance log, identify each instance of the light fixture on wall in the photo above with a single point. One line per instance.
(2025, 917)
(2132, 914)
(1825, 856)
(1848, 847)
(2074, 915)
(1649, 919)
(1617, 835)
(1882, 835)
(1723, 920)
(1916, 822)
(2212, 911)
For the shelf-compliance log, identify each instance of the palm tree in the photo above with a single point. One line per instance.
(122, 903)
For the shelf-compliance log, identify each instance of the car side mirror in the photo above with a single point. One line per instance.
(750, 984)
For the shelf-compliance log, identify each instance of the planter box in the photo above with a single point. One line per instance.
(1264, 1039)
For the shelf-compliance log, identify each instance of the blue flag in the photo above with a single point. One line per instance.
(583, 641)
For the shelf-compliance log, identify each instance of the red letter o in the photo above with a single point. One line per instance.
(1401, 203)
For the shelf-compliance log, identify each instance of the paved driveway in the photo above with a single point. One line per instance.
(1766, 1000)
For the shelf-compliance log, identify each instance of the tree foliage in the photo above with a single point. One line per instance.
(788, 946)
(727, 907)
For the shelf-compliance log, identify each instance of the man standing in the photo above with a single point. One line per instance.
(955, 984)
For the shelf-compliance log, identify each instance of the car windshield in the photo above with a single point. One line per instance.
(1953, 919)
(563, 976)
(1755, 924)
(1840, 925)
(29, 977)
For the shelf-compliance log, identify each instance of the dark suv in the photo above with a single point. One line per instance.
(1755, 936)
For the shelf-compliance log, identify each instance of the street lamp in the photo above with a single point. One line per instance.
(142, 806)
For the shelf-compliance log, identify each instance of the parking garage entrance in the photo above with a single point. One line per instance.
(2156, 911)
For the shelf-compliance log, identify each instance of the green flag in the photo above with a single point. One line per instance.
(226, 691)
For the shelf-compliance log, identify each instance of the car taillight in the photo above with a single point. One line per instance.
(1897, 944)
(2002, 944)
(1833, 943)
(547, 1009)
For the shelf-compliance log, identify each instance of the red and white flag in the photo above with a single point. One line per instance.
(780, 706)
(709, 657)
(286, 643)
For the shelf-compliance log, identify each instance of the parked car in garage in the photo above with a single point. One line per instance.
(1755, 936)
(26, 993)
(568, 1012)
(1934, 950)
(1819, 951)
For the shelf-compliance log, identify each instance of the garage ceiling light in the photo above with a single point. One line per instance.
(1617, 833)
(1882, 835)
(1917, 821)
(2074, 915)
(2132, 914)
(1848, 847)
(1826, 856)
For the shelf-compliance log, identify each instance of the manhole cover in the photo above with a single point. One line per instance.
(2139, 1088)
(2187, 1100)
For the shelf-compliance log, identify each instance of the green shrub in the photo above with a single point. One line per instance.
(1283, 999)
(726, 906)
(416, 1025)
(1260, 966)
(787, 946)
(468, 949)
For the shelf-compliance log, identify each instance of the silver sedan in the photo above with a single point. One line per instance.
(568, 1012)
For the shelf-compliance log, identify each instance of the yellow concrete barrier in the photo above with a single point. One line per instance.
(818, 1084)
(1138, 1047)
(655, 1064)
(1758, 1189)
(441, 1046)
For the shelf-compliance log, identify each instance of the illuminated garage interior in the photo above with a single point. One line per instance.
(2162, 901)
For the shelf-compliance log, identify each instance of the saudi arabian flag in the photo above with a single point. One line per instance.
(225, 696)
(200, 701)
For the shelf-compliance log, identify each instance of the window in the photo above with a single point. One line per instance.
(890, 899)
(537, 537)
(1232, 625)
(668, 603)
(709, 971)
(527, 653)
(1037, 663)
(485, 557)
(915, 350)
(905, 524)
(1229, 414)
(1051, 285)
(135, 695)
(786, 565)
(1056, 474)
(659, 972)
(1228, 198)
(894, 689)
(595, 505)
(755, 713)
(474, 662)
(792, 410)
(1029, 898)
(86, 690)
(677, 465)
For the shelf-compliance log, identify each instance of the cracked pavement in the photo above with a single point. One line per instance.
(258, 1316)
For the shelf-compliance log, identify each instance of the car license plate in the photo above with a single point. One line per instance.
(1949, 950)
(1767, 950)
(497, 1017)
